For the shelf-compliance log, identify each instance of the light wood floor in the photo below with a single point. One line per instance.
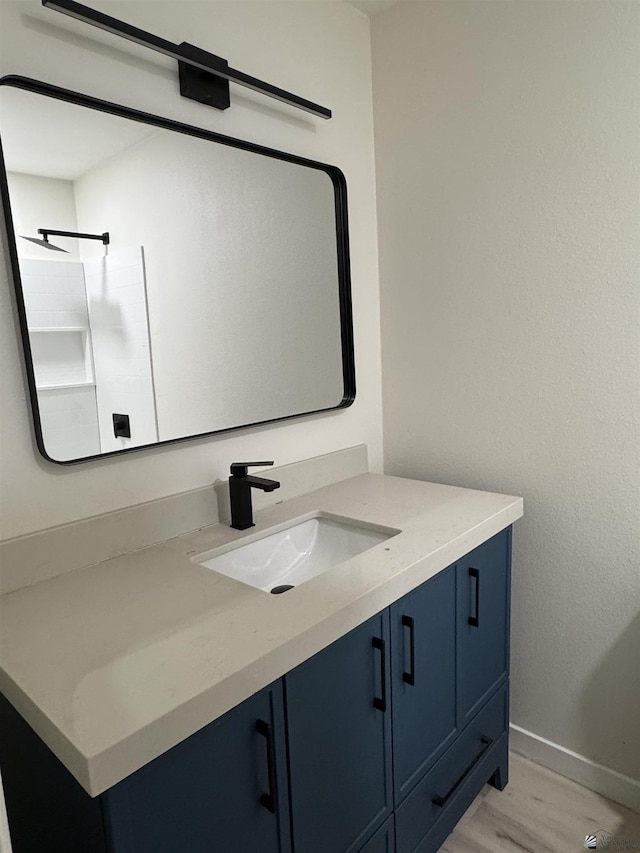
(541, 812)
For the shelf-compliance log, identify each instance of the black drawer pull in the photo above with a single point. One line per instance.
(475, 619)
(410, 677)
(381, 703)
(442, 801)
(269, 800)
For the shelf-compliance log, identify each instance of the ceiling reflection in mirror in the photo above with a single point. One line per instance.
(200, 284)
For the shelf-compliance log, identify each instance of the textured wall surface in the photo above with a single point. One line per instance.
(320, 50)
(508, 148)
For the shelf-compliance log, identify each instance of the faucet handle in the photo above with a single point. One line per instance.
(239, 469)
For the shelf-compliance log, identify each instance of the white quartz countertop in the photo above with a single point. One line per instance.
(115, 663)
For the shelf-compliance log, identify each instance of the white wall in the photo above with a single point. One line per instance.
(320, 50)
(508, 155)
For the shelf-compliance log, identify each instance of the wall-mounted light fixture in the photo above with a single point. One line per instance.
(204, 77)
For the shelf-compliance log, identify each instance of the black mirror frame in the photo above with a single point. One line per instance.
(342, 243)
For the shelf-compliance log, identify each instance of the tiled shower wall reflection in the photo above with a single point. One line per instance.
(56, 305)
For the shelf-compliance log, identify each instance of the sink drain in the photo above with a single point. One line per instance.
(283, 587)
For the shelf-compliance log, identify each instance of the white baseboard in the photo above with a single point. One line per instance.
(596, 777)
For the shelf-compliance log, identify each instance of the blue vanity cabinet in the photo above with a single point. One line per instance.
(339, 735)
(423, 666)
(223, 790)
(477, 756)
(377, 744)
(483, 623)
(466, 743)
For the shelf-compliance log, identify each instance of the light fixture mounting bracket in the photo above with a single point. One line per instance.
(206, 87)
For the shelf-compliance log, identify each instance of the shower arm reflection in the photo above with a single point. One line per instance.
(46, 232)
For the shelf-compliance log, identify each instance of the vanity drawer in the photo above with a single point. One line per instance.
(446, 784)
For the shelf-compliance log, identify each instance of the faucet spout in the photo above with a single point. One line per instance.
(262, 483)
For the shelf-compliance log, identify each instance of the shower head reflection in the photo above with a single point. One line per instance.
(44, 242)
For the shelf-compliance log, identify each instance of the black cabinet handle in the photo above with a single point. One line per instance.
(475, 619)
(269, 800)
(442, 801)
(381, 703)
(410, 677)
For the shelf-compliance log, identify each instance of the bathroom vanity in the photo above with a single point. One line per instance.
(362, 710)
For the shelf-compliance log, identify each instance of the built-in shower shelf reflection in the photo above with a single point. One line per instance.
(64, 385)
(60, 340)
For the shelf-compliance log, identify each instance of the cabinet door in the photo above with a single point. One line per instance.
(423, 661)
(483, 622)
(223, 790)
(338, 720)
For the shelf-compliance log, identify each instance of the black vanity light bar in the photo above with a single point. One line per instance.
(202, 85)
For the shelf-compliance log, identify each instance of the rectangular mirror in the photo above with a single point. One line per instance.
(201, 283)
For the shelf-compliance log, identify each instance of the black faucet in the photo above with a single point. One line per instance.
(240, 485)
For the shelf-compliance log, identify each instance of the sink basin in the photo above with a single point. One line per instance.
(295, 554)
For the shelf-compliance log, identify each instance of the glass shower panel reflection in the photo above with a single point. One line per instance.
(119, 321)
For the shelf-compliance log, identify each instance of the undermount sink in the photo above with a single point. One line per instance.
(278, 561)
